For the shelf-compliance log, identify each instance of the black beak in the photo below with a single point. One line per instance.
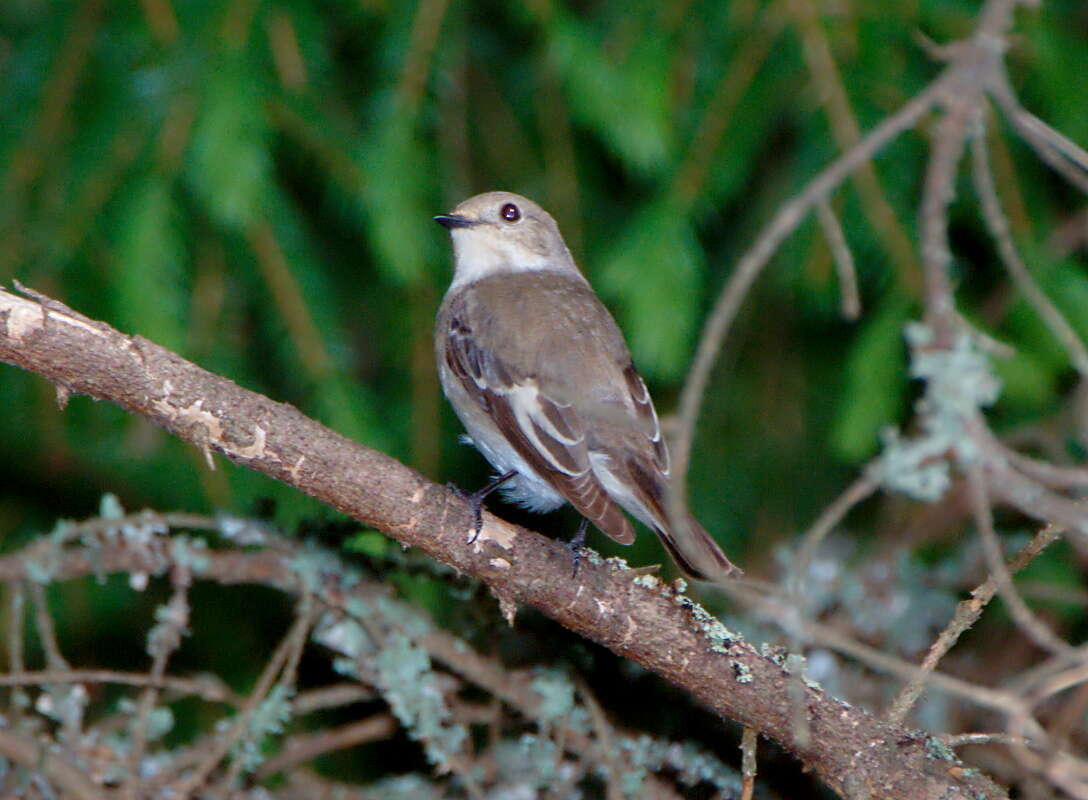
(451, 221)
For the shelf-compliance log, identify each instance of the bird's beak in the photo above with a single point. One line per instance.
(451, 221)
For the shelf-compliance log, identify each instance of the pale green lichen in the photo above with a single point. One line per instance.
(269, 718)
(741, 671)
(775, 653)
(404, 617)
(241, 531)
(346, 667)
(938, 750)
(109, 507)
(43, 569)
(190, 554)
(342, 634)
(691, 765)
(44, 566)
(959, 382)
(648, 581)
(557, 702)
(720, 637)
(593, 557)
(405, 787)
(556, 694)
(171, 623)
(409, 686)
(312, 564)
(538, 760)
(65, 704)
(159, 722)
(62, 531)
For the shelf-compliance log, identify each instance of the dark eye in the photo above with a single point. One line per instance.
(510, 212)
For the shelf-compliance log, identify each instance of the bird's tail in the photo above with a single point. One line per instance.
(695, 552)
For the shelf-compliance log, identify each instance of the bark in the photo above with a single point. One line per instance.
(855, 753)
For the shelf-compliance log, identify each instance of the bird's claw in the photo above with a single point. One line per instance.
(475, 500)
(577, 546)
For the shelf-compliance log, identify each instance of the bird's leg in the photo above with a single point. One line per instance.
(577, 546)
(475, 500)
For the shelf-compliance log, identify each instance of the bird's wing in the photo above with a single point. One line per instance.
(647, 421)
(546, 432)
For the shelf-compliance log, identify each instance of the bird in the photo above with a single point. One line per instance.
(539, 374)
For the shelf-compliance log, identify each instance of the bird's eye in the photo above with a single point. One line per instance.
(510, 212)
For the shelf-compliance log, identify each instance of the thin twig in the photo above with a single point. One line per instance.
(606, 750)
(999, 229)
(938, 191)
(286, 53)
(1054, 475)
(962, 739)
(225, 741)
(16, 622)
(785, 222)
(855, 493)
(341, 694)
(57, 765)
(967, 614)
(207, 687)
(844, 260)
(306, 614)
(779, 610)
(166, 636)
(290, 301)
(1066, 157)
(306, 747)
(748, 762)
(846, 131)
(691, 175)
(425, 27)
(1030, 624)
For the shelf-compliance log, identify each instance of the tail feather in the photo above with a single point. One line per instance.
(695, 552)
(690, 546)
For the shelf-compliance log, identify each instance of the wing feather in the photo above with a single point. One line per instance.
(547, 434)
(646, 417)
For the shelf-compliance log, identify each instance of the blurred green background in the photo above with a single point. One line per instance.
(250, 183)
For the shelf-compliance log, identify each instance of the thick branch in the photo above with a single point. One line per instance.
(663, 631)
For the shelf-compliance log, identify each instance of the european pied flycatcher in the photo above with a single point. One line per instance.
(540, 376)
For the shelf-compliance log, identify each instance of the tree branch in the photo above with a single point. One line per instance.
(636, 617)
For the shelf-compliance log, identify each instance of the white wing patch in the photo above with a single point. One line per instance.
(528, 407)
(647, 417)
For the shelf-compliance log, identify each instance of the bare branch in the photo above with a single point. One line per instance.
(1031, 625)
(1064, 155)
(58, 767)
(1017, 269)
(967, 614)
(785, 222)
(844, 260)
(635, 616)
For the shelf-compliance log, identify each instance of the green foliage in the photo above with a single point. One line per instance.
(626, 105)
(229, 164)
(251, 184)
(653, 271)
(397, 196)
(152, 292)
(874, 391)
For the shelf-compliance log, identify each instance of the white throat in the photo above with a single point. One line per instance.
(479, 256)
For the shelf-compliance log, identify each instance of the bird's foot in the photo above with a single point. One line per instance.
(475, 500)
(577, 546)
